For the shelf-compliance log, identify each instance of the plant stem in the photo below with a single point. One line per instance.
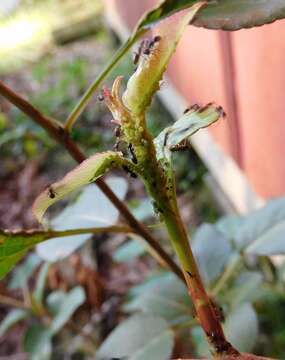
(229, 271)
(7, 300)
(205, 311)
(83, 102)
(57, 132)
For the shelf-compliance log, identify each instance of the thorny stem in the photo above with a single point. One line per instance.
(56, 131)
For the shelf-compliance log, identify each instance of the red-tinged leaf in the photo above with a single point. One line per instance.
(145, 81)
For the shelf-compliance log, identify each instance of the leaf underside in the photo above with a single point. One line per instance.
(193, 120)
(221, 14)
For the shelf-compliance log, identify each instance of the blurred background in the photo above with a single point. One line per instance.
(50, 51)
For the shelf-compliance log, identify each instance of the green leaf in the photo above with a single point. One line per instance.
(246, 288)
(212, 251)
(12, 318)
(138, 338)
(200, 341)
(85, 173)
(263, 231)
(145, 81)
(71, 303)
(143, 210)
(147, 22)
(230, 226)
(24, 271)
(55, 300)
(37, 342)
(234, 15)
(241, 327)
(130, 250)
(92, 209)
(40, 284)
(14, 245)
(222, 14)
(168, 298)
(150, 282)
(8, 263)
(192, 121)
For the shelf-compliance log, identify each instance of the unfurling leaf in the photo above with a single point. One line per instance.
(85, 173)
(193, 120)
(145, 81)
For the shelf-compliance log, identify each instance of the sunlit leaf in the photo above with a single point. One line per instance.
(12, 318)
(145, 81)
(138, 338)
(193, 120)
(85, 173)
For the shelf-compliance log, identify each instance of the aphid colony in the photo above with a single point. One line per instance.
(145, 48)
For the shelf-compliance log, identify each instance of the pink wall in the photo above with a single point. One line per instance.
(243, 71)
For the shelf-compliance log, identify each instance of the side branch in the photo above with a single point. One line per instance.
(56, 130)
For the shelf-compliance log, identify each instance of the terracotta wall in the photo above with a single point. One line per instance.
(243, 71)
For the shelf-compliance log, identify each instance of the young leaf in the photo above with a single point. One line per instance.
(138, 338)
(145, 81)
(13, 317)
(70, 304)
(85, 173)
(147, 21)
(193, 120)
